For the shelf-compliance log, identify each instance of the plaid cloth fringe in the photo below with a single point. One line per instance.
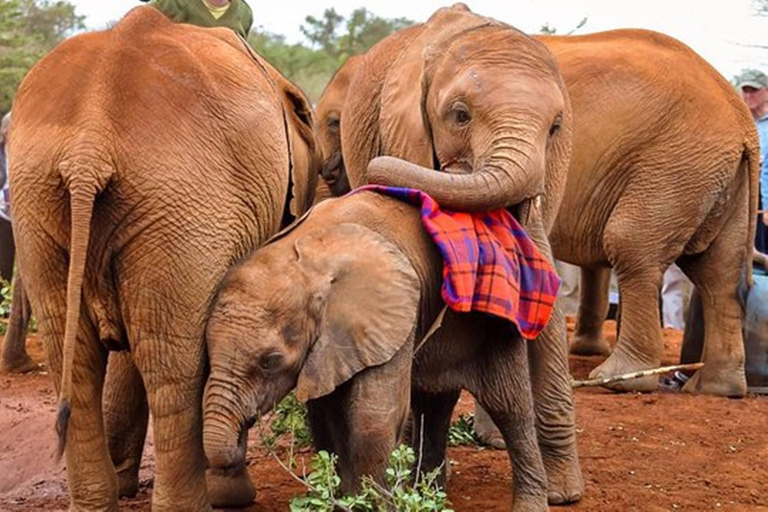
(490, 264)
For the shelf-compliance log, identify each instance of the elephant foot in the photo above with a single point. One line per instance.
(619, 364)
(21, 365)
(565, 484)
(486, 431)
(230, 489)
(590, 345)
(529, 504)
(127, 484)
(710, 380)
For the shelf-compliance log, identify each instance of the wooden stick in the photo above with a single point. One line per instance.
(634, 375)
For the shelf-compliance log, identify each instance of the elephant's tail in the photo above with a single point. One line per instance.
(751, 164)
(83, 190)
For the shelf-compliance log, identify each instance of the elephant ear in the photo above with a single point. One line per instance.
(403, 120)
(368, 300)
(303, 148)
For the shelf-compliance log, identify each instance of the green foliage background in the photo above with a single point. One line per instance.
(29, 29)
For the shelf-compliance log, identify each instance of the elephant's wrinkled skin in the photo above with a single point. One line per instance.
(484, 103)
(333, 307)
(166, 157)
(663, 170)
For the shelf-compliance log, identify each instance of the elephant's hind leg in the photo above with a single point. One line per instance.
(716, 274)
(126, 415)
(588, 340)
(15, 358)
(90, 474)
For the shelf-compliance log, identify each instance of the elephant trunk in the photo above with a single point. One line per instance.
(225, 437)
(514, 172)
(224, 429)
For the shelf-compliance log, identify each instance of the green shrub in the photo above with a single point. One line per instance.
(323, 488)
(462, 432)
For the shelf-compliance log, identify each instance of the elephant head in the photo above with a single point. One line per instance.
(476, 114)
(307, 312)
(329, 108)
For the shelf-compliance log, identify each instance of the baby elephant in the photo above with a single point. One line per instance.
(337, 306)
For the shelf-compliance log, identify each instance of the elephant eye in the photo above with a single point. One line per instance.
(461, 114)
(556, 125)
(271, 362)
(333, 123)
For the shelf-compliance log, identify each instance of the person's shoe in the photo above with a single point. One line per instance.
(674, 382)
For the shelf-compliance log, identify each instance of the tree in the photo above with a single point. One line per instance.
(761, 7)
(363, 29)
(322, 31)
(550, 30)
(29, 29)
(332, 39)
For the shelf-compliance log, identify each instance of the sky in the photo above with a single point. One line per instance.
(724, 32)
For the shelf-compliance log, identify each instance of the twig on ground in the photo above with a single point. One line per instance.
(634, 375)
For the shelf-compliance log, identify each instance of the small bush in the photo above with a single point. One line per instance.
(323, 484)
(290, 419)
(462, 432)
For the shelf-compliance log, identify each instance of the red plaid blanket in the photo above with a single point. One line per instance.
(490, 263)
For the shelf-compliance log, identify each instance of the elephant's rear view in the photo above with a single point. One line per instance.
(664, 168)
(147, 159)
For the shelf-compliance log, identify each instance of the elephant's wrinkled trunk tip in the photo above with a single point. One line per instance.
(224, 443)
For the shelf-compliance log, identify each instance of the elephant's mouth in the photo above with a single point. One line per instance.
(333, 168)
(523, 211)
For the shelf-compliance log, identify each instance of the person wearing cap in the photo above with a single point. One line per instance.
(234, 14)
(753, 85)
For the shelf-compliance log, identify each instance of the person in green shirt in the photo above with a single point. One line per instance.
(234, 14)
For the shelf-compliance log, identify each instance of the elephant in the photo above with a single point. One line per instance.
(656, 178)
(147, 159)
(436, 96)
(643, 149)
(328, 112)
(337, 306)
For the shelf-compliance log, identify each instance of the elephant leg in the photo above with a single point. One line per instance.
(588, 340)
(363, 420)
(126, 415)
(553, 400)
(486, 431)
(639, 345)
(503, 388)
(716, 274)
(431, 421)
(693, 335)
(172, 370)
(15, 358)
(91, 477)
(7, 250)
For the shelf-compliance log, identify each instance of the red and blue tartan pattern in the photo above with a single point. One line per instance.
(490, 264)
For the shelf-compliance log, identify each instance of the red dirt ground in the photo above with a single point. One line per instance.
(638, 452)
